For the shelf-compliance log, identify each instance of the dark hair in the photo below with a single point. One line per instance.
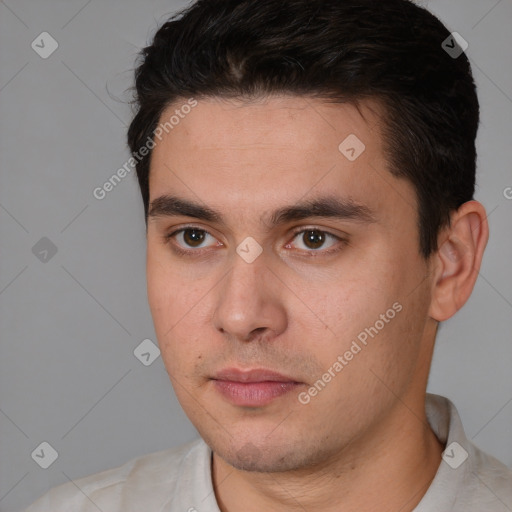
(337, 50)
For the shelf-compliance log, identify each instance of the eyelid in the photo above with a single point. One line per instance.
(301, 229)
(167, 237)
(320, 252)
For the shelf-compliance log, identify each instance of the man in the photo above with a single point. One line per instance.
(307, 170)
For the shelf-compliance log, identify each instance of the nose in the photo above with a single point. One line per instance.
(250, 302)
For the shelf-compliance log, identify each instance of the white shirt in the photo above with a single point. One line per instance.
(179, 480)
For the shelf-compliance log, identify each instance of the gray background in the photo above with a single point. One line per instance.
(70, 325)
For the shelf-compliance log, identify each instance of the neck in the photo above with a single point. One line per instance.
(389, 468)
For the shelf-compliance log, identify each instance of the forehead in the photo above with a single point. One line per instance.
(242, 155)
(288, 122)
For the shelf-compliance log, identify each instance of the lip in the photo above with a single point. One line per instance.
(252, 388)
(253, 375)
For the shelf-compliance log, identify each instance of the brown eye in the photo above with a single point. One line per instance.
(313, 239)
(193, 237)
(190, 239)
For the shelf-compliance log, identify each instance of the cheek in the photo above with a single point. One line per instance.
(175, 306)
(371, 314)
(351, 302)
(170, 294)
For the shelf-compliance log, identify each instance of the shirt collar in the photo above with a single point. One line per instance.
(456, 465)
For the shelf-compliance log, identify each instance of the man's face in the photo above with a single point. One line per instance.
(350, 289)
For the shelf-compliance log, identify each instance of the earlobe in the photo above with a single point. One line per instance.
(458, 259)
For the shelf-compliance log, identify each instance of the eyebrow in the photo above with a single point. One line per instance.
(327, 206)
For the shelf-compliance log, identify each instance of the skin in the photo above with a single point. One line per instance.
(363, 442)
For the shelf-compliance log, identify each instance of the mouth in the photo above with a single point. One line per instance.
(253, 388)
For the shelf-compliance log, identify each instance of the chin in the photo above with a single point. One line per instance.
(266, 459)
(250, 458)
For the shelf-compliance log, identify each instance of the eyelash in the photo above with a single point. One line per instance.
(311, 254)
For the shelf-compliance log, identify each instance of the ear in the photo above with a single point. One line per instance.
(457, 261)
